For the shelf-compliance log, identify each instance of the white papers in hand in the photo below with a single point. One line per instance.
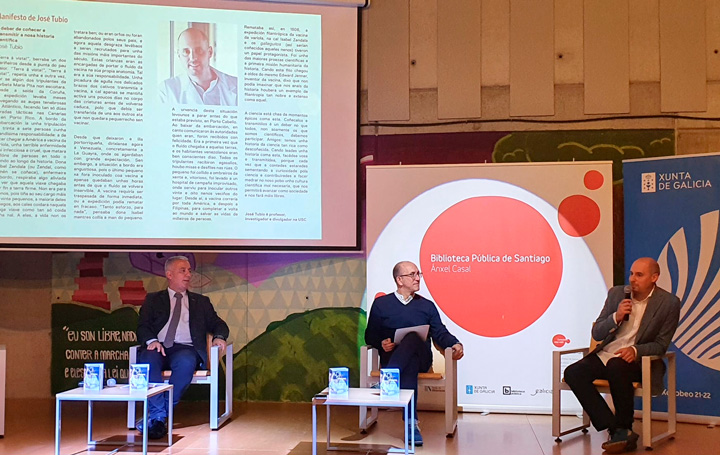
(421, 330)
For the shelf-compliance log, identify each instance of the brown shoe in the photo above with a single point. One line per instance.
(632, 441)
(615, 447)
(622, 440)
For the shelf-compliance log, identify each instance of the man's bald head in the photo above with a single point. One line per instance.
(644, 274)
(400, 268)
(651, 264)
(193, 33)
(194, 50)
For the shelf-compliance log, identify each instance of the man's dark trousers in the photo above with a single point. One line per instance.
(411, 356)
(183, 360)
(620, 374)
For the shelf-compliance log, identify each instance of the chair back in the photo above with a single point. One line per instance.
(593, 342)
(438, 362)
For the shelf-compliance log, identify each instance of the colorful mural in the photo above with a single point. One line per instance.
(260, 296)
(292, 316)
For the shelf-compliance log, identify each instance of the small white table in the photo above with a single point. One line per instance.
(117, 393)
(370, 398)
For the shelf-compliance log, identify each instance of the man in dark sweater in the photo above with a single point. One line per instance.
(405, 308)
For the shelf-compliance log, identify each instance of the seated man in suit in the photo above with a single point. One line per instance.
(629, 328)
(405, 308)
(172, 331)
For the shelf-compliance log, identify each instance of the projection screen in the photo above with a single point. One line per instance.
(134, 125)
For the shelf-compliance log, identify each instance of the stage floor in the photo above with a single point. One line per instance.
(285, 428)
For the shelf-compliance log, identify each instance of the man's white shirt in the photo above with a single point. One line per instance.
(182, 334)
(402, 299)
(627, 330)
(223, 91)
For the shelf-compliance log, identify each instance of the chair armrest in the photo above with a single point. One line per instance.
(646, 367)
(667, 355)
(563, 352)
(367, 365)
(214, 356)
(132, 354)
(228, 347)
(557, 362)
(450, 365)
(448, 354)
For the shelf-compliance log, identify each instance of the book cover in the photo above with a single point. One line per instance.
(339, 382)
(139, 376)
(93, 377)
(389, 383)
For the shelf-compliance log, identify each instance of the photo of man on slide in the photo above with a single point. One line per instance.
(197, 82)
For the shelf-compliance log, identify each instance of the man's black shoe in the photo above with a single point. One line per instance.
(157, 429)
(632, 441)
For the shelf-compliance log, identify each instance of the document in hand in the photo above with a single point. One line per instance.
(421, 330)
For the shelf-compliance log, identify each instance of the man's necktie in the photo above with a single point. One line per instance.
(174, 319)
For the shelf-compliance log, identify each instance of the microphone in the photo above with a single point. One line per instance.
(628, 293)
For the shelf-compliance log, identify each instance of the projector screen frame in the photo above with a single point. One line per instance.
(349, 242)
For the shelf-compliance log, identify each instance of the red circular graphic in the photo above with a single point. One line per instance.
(560, 340)
(492, 264)
(593, 180)
(578, 215)
(379, 294)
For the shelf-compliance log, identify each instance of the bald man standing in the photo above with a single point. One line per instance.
(201, 84)
(629, 328)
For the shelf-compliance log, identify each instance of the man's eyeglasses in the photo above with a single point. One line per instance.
(413, 275)
(199, 51)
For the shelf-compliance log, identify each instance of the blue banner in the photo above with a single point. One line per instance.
(671, 214)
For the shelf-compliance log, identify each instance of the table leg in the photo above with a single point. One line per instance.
(145, 426)
(327, 425)
(90, 419)
(412, 416)
(170, 415)
(407, 428)
(58, 414)
(314, 430)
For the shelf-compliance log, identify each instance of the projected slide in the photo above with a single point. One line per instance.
(147, 123)
(517, 266)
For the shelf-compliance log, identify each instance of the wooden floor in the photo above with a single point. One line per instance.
(285, 428)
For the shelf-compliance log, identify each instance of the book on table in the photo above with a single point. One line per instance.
(339, 382)
(389, 384)
(93, 377)
(139, 377)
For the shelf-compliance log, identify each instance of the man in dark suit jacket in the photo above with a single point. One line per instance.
(172, 333)
(629, 329)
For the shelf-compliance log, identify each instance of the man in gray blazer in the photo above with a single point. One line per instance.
(630, 327)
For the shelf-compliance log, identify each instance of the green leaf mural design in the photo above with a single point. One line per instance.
(105, 335)
(584, 145)
(290, 361)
